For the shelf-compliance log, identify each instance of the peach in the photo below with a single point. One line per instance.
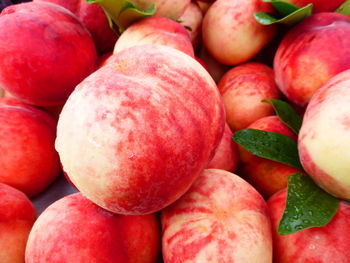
(16, 220)
(172, 9)
(73, 229)
(45, 52)
(324, 137)
(226, 155)
(313, 245)
(318, 5)
(243, 88)
(265, 175)
(135, 134)
(243, 38)
(27, 135)
(155, 30)
(192, 20)
(310, 54)
(220, 219)
(94, 19)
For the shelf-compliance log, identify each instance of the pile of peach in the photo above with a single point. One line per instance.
(141, 124)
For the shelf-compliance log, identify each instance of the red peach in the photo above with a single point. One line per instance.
(135, 134)
(94, 19)
(45, 52)
(324, 137)
(155, 30)
(12, 101)
(231, 33)
(226, 156)
(310, 54)
(265, 175)
(30, 162)
(318, 5)
(243, 88)
(220, 219)
(314, 245)
(16, 219)
(73, 229)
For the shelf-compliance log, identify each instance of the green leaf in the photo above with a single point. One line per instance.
(307, 205)
(290, 19)
(282, 7)
(131, 14)
(287, 114)
(269, 145)
(122, 13)
(344, 8)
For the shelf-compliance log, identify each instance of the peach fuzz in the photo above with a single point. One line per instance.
(16, 220)
(191, 19)
(325, 244)
(135, 134)
(318, 5)
(45, 52)
(265, 175)
(244, 38)
(220, 219)
(226, 155)
(73, 229)
(27, 136)
(310, 54)
(155, 30)
(324, 137)
(172, 9)
(243, 88)
(94, 19)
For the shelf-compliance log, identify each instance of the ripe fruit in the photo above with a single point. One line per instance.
(135, 134)
(45, 52)
(220, 219)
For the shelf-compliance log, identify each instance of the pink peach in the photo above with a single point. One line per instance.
(310, 54)
(135, 134)
(73, 229)
(94, 19)
(45, 52)
(220, 219)
(230, 32)
(16, 220)
(243, 88)
(324, 137)
(27, 135)
(156, 30)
